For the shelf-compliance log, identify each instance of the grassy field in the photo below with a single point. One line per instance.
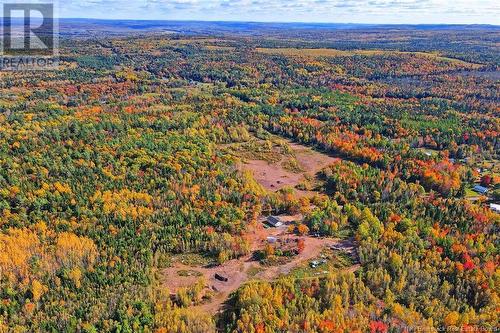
(345, 53)
(469, 193)
(335, 260)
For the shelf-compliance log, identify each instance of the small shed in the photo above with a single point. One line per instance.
(274, 221)
(317, 263)
(314, 264)
(221, 277)
(272, 240)
(495, 208)
(480, 189)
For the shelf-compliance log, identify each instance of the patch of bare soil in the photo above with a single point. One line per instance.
(311, 160)
(274, 176)
(279, 170)
(239, 271)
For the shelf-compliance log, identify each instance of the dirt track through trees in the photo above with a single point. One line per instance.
(238, 271)
(272, 176)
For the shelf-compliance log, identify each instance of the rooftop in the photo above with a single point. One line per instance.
(480, 189)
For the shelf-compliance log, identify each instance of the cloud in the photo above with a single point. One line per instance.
(366, 11)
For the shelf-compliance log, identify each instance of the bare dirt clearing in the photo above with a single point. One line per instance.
(276, 175)
(241, 270)
(275, 164)
(315, 53)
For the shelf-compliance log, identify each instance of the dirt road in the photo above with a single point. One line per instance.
(272, 176)
(241, 270)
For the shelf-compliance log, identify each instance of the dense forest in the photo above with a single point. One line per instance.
(130, 157)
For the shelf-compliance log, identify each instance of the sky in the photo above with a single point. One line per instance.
(328, 11)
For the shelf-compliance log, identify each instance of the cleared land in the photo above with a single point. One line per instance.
(301, 166)
(321, 52)
(239, 271)
(274, 164)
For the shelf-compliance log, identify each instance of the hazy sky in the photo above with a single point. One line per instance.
(356, 11)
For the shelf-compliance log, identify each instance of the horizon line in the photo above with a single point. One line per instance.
(272, 22)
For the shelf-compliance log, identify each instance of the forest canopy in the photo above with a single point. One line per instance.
(135, 160)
